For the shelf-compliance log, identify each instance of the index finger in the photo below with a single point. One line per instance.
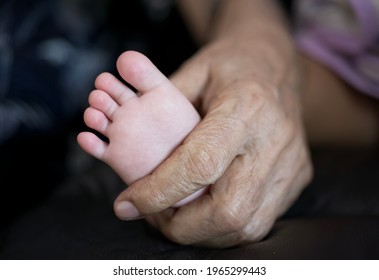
(217, 218)
(199, 162)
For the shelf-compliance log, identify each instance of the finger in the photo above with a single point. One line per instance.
(191, 78)
(218, 218)
(199, 162)
(286, 171)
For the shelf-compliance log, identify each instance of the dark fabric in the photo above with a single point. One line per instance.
(335, 218)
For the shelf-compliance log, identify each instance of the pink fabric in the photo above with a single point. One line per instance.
(344, 35)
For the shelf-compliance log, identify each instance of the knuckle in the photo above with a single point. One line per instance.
(176, 236)
(231, 218)
(259, 95)
(204, 164)
(148, 199)
(252, 237)
(257, 230)
(209, 155)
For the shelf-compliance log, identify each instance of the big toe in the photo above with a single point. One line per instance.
(140, 72)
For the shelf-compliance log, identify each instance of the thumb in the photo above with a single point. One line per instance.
(191, 78)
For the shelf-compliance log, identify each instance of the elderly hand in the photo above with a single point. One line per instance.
(249, 149)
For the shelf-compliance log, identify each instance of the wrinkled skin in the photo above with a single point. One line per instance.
(249, 147)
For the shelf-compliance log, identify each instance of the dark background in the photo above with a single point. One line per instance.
(56, 201)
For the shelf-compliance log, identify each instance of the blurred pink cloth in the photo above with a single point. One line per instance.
(344, 36)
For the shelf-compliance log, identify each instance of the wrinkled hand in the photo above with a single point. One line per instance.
(249, 148)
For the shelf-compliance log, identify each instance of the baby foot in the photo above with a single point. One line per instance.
(143, 129)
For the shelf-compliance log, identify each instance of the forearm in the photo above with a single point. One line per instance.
(212, 19)
(257, 27)
(251, 41)
(260, 28)
(252, 18)
(198, 16)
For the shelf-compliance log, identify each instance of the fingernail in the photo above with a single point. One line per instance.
(127, 211)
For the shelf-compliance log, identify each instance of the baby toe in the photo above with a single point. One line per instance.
(92, 144)
(103, 102)
(114, 87)
(96, 120)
